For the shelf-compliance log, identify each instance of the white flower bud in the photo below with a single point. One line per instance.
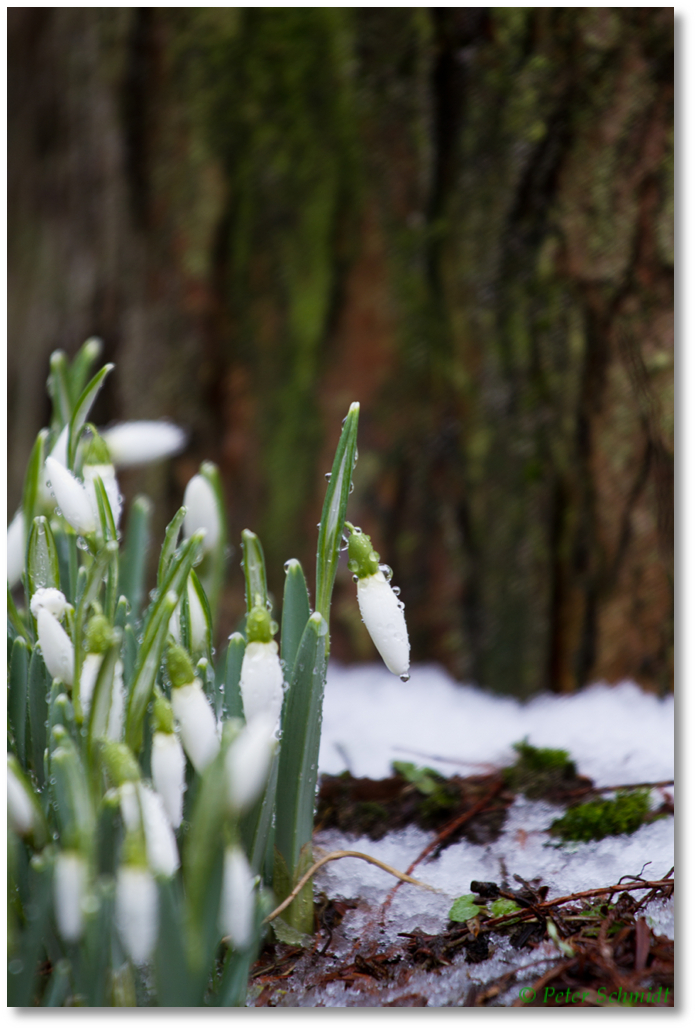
(261, 682)
(71, 497)
(59, 452)
(107, 475)
(383, 615)
(197, 620)
(70, 881)
(51, 599)
(88, 678)
(136, 911)
(137, 443)
(118, 704)
(160, 842)
(247, 763)
(20, 809)
(197, 727)
(168, 766)
(16, 546)
(237, 899)
(202, 511)
(56, 647)
(130, 806)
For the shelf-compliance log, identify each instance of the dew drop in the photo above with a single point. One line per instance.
(396, 590)
(351, 487)
(386, 571)
(327, 476)
(404, 677)
(355, 579)
(15, 967)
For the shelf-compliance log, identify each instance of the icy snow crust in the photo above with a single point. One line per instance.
(616, 735)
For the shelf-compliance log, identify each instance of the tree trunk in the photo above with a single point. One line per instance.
(460, 217)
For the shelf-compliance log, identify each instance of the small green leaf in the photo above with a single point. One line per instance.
(82, 365)
(33, 477)
(82, 410)
(17, 698)
(71, 797)
(302, 720)
(59, 389)
(254, 570)
(232, 698)
(503, 907)
(39, 684)
(296, 612)
(334, 514)
(424, 779)
(134, 560)
(169, 545)
(42, 557)
(464, 908)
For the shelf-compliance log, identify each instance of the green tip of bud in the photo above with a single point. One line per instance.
(133, 850)
(99, 636)
(260, 626)
(179, 666)
(120, 763)
(162, 715)
(96, 452)
(363, 559)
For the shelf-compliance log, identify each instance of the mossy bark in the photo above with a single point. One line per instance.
(461, 217)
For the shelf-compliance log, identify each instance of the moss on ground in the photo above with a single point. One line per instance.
(609, 817)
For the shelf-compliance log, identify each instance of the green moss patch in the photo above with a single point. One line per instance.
(542, 772)
(594, 820)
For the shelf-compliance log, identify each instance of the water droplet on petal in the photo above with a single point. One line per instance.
(404, 677)
(396, 591)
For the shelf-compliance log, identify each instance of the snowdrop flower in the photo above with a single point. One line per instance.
(69, 888)
(137, 443)
(51, 599)
(56, 647)
(136, 911)
(118, 704)
(197, 726)
(261, 679)
(197, 619)
(382, 612)
(16, 547)
(202, 511)
(236, 918)
(167, 762)
(168, 766)
(160, 842)
(71, 497)
(247, 763)
(20, 808)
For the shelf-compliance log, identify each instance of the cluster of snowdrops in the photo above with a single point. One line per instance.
(160, 796)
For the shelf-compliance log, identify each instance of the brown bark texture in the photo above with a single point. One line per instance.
(460, 217)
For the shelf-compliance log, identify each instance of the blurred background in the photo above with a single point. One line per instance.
(460, 217)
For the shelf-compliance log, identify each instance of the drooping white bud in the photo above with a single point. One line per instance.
(247, 763)
(168, 766)
(137, 443)
(107, 474)
(16, 546)
(261, 682)
(51, 599)
(383, 615)
(160, 842)
(70, 882)
(237, 899)
(136, 911)
(130, 806)
(20, 810)
(88, 677)
(56, 647)
(197, 727)
(59, 452)
(202, 511)
(71, 497)
(118, 704)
